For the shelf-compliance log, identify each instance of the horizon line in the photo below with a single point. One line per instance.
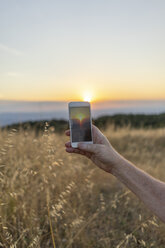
(94, 101)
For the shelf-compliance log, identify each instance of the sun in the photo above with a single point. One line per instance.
(80, 116)
(87, 97)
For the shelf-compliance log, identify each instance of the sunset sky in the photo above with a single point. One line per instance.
(66, 50)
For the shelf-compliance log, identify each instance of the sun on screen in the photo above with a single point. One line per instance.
(80, 116)
(87, 97)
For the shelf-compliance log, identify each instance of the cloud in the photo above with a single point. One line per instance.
(10, 50)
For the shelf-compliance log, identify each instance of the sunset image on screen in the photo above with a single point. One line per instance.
(80, 124)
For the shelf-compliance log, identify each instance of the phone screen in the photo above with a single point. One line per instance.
(80, 124)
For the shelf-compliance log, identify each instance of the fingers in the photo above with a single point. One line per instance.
(83, 149)
(68, 144)
(67, 132)
(69, 149)
(88, 147)
(74, 150)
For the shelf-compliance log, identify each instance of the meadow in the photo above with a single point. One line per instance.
(49, 198)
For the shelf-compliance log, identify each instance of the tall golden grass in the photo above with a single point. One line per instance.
(49, 198)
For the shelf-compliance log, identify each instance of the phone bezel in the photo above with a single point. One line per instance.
(79, 104)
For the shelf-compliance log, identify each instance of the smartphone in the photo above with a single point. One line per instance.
(80, 123)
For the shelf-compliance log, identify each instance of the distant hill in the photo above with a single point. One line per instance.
(132, 120)
(118, 120)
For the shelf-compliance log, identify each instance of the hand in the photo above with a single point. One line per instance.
(101, 152)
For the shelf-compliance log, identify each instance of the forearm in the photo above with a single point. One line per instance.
(150, 190)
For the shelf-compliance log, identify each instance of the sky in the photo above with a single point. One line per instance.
(74, 50)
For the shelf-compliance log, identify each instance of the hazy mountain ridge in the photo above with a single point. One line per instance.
(13, 112)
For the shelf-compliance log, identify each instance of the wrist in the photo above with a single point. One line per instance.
(118, 165)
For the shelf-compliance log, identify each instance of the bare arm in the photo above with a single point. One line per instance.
(150, 190)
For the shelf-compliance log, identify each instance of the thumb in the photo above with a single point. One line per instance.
(87, 147)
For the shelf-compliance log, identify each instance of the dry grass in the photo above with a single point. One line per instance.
(53, 199)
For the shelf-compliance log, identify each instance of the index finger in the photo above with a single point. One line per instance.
(67, 132)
